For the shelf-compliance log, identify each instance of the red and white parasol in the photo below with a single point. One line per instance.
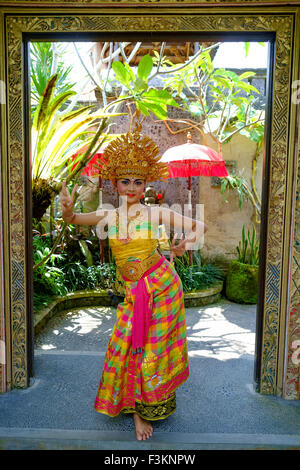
(191, 159)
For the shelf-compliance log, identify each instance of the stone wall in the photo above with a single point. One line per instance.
(222, 213)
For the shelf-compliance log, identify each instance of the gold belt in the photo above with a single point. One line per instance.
(133, 270)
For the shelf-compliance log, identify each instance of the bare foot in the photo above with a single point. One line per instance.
(143, 428)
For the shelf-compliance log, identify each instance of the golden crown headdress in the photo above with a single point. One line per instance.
(133, 154)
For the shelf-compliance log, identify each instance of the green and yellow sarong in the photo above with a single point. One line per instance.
(145, 383)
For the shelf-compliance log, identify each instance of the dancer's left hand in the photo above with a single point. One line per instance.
(177, 250)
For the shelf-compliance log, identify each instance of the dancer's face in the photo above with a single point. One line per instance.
(132, 188)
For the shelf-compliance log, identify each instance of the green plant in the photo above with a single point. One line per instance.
(46, 58)
(248, 248)
(213, 97)
(238, 183)
(75, 276)
(40, 241)
(242, 282)
(57, 276)
(102, 276)
(48, 279)
(78, 245)
(56, 137)
(243, 273)
(80, 277)
(86, 252)
(41, 299)
(197, 276)
(146, 98)
(41, 248)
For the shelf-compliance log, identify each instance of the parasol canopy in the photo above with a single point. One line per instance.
(191, 159)
(194, 160)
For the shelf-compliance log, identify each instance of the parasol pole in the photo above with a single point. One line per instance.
(100, 205)
(189, 139)
(190, 212)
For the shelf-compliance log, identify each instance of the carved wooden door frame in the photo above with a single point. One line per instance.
(279, 296)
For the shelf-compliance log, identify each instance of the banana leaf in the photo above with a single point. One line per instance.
(86, 252)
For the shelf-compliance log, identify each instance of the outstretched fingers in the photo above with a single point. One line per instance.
(74, 191)
(172, 248)
(65, 197)
(64, 187)
(173, 241)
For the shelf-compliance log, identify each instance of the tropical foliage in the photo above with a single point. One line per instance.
(197, 276)
(214, 97)
(48, 277)
(221, 104)
(46, 59)
(238, 183)
(146, 98)
(56, 137)
(62, 273)
(248, 248)
(51, 91)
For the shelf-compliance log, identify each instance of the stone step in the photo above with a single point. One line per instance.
(64, 439)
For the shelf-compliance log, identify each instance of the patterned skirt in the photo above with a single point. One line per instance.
(145, 383)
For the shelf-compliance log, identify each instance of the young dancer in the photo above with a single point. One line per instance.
(147, 357)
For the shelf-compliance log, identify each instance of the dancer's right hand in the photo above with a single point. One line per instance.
(177, 250)
(67, 200)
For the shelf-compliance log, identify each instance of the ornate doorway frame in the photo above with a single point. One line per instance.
(276, 372)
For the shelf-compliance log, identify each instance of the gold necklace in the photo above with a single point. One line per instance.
(131, 218)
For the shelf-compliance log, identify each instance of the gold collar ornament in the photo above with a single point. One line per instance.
(135, 218)
(132, 154)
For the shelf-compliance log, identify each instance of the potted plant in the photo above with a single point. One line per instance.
(242, 275)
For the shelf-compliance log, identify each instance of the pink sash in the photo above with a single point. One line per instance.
(142, 311)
